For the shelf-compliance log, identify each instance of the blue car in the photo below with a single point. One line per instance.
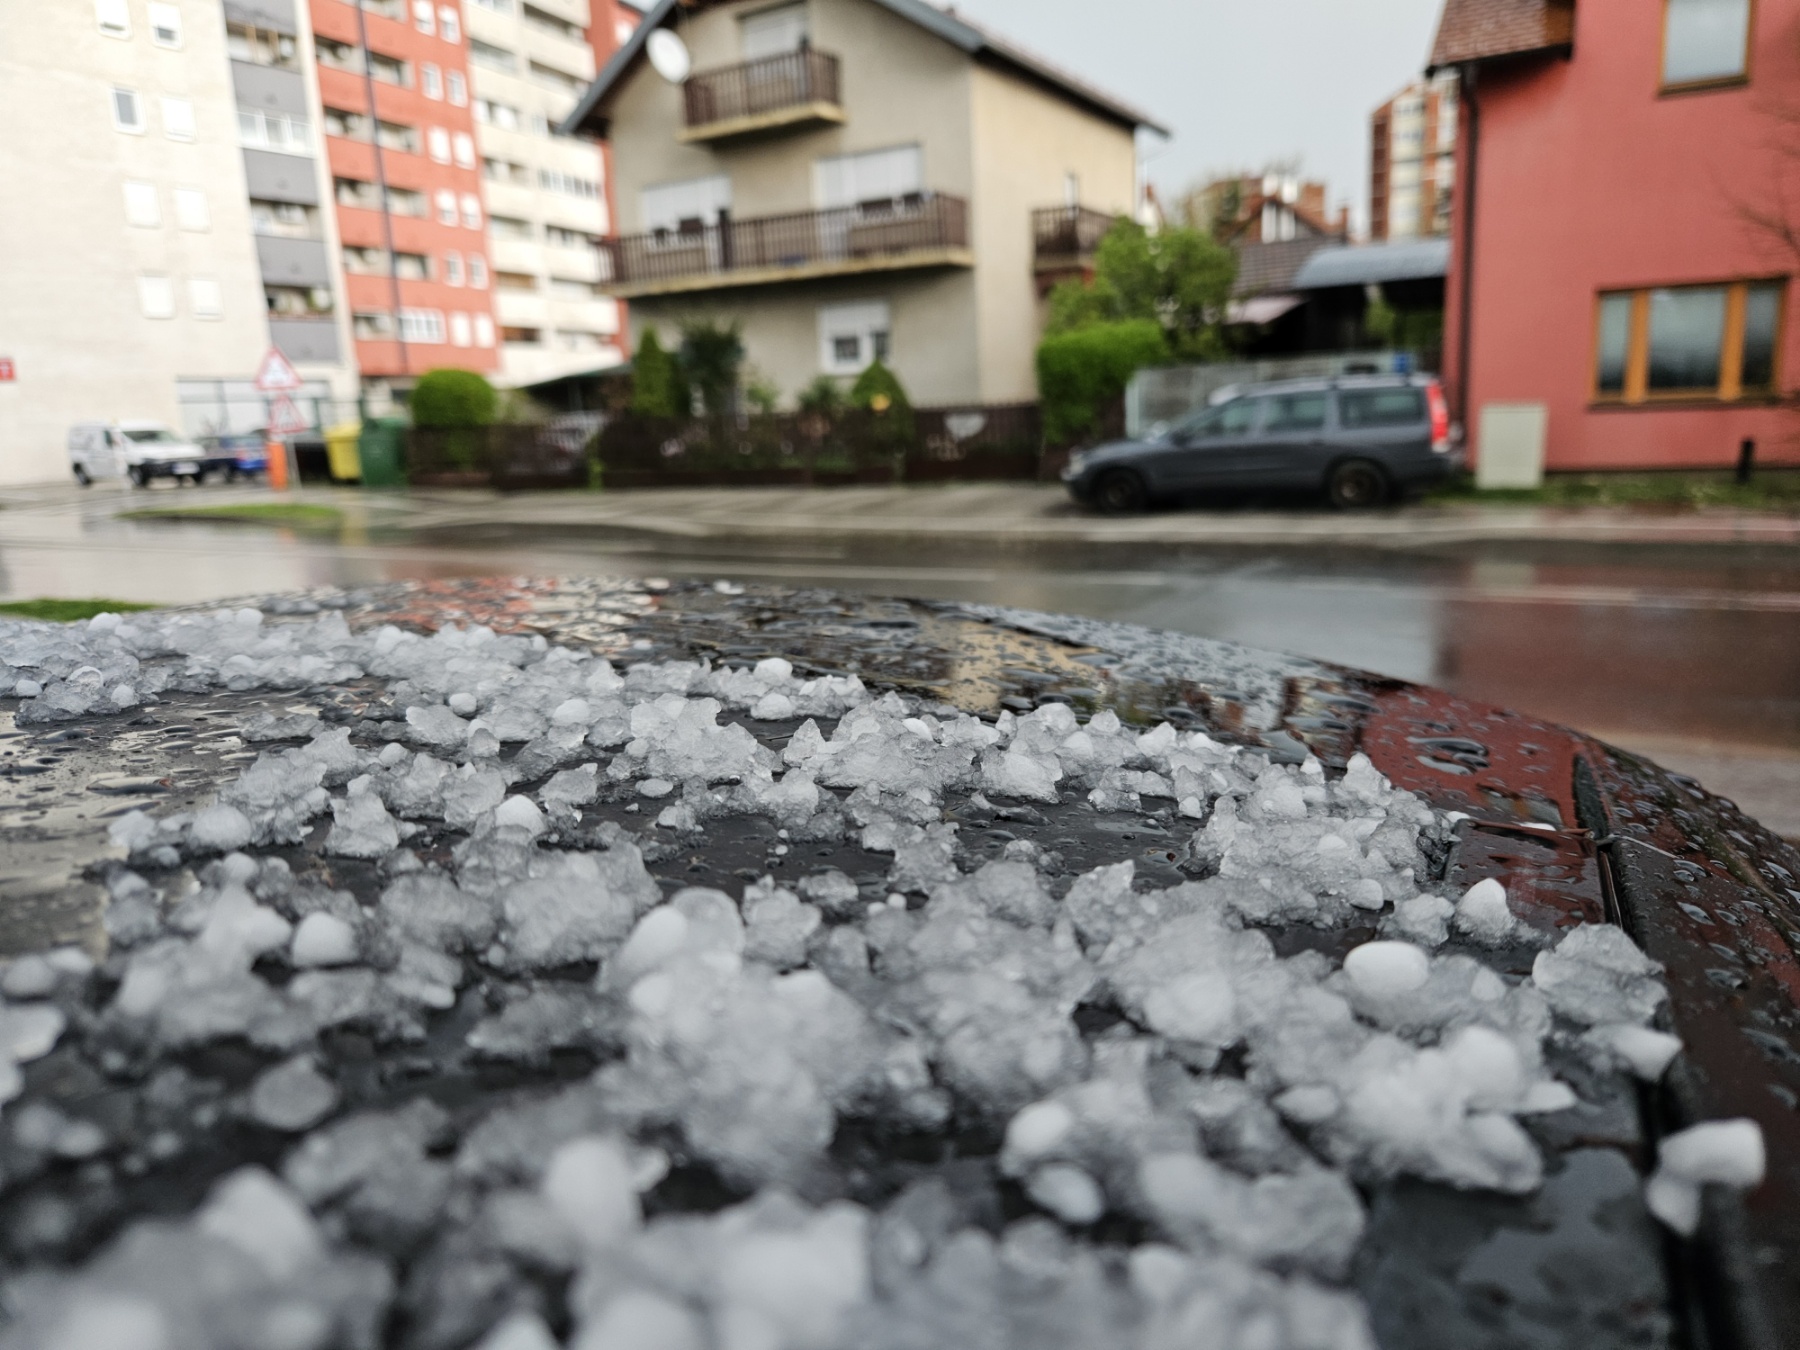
(1359, 440)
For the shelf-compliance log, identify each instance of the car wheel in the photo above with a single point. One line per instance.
(82, 477)
(1357, 485)
(1121, 493)
(138, 477)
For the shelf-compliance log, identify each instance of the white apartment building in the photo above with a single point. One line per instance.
(127, 260)
(529, 61)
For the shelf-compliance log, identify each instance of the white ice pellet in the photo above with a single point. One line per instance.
(589, 1183)
(30, 1031)
(265, 1220)
(655, 788)
(518, 1331)
(574, 712)
(219, 829)
(462, 704)
(520, 813)
(1721, 1152)
(29, 977)
(323, 940)
(1483, 913)
(1648, 1052)
(293, 1096)
(1067, 1192)
(1038, 1130)
(1386, 969)
(108, 1320)
(27, 688)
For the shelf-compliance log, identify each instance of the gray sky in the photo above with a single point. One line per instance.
(1239, 82)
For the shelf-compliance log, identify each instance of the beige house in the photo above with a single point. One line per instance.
(852, 179)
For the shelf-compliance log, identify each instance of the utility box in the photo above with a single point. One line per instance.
(382, 449)
(1511, 452)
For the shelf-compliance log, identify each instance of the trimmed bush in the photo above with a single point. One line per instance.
(453, 400)
(1080, 372)
(878, 382)
(658, 387)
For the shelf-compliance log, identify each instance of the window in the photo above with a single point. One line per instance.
(449, 23)
(515, 281)
(191, 212)
(1381, 407)
(487, 54)
(478, 273)
(260, 47)
(156, 297)
(465, 150)
(352, 126)
(557, 79)
(1297, 412)
(178, 118)
(297, 302)
(521, 337)
(498, 6)
(412, 267)
(363, 261)
(484, 330)
(205, 299)
(505, 171)
(393, 136)
(165, 24)
(567, 289)
(128, 113)
(554, 180)
(558, 237)
(357, 192)
(446, 206)
(453, 269)
(387, 69)
(1687, 342)
(114, 17)
(437, 142)
(406, 202)
(687, 206)
(1238, 417)
(372, 325)
(460, 335)
(877, 176)
(458, 87)
(1705, 42)
(471, 211)
(141, 205)
(431, 81)
(853, 336)
(422, 325)
(502, 115)
(510, 227)
(774, 32)
(424, 17)
(550, 23)
(259, 130)
(285, 219)
(576, 340)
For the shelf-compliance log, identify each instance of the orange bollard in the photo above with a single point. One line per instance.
(278, 465)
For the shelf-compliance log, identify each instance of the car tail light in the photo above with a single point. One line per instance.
(1440, 418)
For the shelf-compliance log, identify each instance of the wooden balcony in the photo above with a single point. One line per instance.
(923, 230)
(777, 93)
(1064, 238)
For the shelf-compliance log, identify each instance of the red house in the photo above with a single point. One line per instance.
(1627, 226)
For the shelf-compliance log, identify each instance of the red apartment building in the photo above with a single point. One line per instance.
(406, 178)
(1623, 258)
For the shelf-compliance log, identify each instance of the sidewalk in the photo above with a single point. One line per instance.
(1043, 514)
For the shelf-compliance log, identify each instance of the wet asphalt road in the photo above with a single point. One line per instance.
(1690, 652)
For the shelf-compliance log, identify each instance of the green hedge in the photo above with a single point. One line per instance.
(1080, 372)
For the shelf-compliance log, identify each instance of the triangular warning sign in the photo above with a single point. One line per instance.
(284, 418)
(276, 375)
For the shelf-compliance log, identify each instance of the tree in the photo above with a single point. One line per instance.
(658, 387)
(1179, 278)
(453, 400)
(712, 354)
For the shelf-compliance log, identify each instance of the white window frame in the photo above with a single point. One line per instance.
(870, 323)
(484, 330)
(478, 272)
(437, 145)
(431, 81)
(445, 200)
(143, 204)
(471, 211)
(156, 295)
(206, 298)
(453, 269)
(425, 17)
(456, 88)
(114, 18)
(178, 118)
(422, 325)
(165, 17)
(463, 150)
(460, 332)
(134, 127)
(449, 23)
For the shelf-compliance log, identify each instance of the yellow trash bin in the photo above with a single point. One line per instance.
(341, 452)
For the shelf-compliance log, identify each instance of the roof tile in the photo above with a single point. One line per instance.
(1480, 30)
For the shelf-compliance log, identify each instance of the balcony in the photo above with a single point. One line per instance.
(1064, 239)
(907, 233)
(795, 89)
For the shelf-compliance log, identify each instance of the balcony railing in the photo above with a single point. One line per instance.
(920, 230)
(1066, 236)
(777, 91)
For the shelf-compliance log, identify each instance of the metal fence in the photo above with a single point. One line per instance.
(774, 83)
(993, 443)
(510, 457)
(1164, 393)
(915, 223)
(1068, 233)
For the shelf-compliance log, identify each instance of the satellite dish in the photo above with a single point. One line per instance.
(669, 54)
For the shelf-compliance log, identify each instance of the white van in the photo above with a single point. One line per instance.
(140, 451)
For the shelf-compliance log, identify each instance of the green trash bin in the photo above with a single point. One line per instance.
(382, 447)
